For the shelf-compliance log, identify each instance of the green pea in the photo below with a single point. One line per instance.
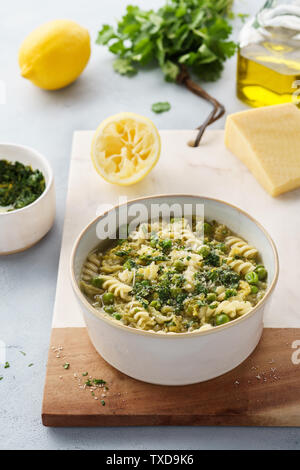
(261, 272)
(254, 289)
(252, 278)
(179, 266)
(108, 298)
(221, 319)
(207, 229)
(230, 293)
(156, 304)
(109, 309)
(175, 291)
(204, 251)
(97, 282)
(211, 297)
(117, 316)
(212, 306)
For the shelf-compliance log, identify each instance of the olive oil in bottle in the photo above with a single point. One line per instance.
(268, 66)
(265, 78)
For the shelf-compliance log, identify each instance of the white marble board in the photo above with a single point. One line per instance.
(209, 170)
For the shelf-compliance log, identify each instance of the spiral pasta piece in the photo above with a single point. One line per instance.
(118, 288)
(240, 247)
(240, 266)
(91, 267)
(165, 278)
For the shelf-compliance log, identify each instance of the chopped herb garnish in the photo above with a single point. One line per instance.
(122, 253)
(6, 365)
(99, 382)
(22, 352)
(85, 374)
(129, 264)
(212, 259)
(102, 402)
(31, 364)
(66, 365)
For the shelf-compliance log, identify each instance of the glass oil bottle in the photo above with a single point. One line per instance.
(268, 66)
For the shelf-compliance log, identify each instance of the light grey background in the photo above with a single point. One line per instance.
(46, 121)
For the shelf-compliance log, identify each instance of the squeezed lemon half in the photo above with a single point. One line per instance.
(125, 148)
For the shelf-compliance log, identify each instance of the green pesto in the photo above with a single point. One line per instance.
(20, 185)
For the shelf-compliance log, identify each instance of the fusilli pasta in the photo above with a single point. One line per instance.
(167, 277)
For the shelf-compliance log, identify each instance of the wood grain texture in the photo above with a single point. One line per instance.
(263, 391)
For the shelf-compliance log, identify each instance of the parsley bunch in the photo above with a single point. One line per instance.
(193, 33)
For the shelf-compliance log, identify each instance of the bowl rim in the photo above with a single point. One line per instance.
(47, 165)
(190, 334)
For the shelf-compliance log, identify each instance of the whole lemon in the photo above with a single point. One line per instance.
(54, 55)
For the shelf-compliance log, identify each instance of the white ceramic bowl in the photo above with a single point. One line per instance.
(178, 358)
(22, 228)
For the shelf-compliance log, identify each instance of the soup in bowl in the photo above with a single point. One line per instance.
(175, 299)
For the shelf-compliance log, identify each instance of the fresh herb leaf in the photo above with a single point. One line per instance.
(161, 107)
(124, 67)
(190, 32)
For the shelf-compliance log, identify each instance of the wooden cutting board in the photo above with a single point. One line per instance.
(263, 391)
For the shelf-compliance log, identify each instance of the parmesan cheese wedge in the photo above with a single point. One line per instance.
(267, 141)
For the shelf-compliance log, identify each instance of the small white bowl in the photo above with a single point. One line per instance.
(178, 358)
(22, 228)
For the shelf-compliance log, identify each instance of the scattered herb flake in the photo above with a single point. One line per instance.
(99, 382)
(66, 365)
(161, 107)
(6, 365)
(31, 364)
(85, 374)
(102, 402)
